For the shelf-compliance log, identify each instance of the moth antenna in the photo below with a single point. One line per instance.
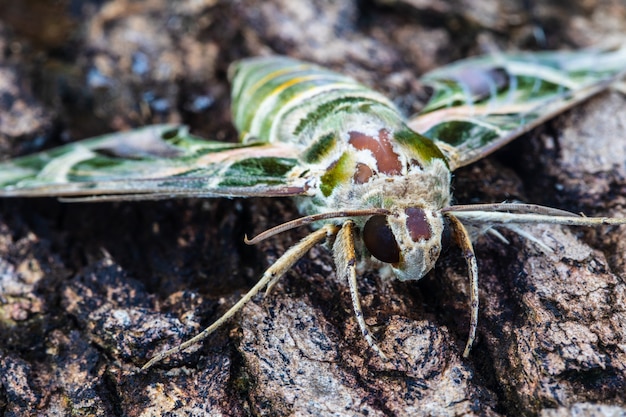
(510, 207)
(274, 272)
(532, 218)
(302, 221)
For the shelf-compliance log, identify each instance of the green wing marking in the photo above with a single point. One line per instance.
(154, 162)
(480, 104)
(477, 106)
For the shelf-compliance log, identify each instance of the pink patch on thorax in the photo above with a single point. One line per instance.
(387, 160)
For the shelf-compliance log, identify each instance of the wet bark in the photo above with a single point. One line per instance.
(89, 291)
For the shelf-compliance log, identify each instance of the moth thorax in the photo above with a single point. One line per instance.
(409, 240)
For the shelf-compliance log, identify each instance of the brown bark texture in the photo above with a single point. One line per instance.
(88, 292)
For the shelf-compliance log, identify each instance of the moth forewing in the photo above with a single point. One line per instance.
(151, 163)
(480, 104)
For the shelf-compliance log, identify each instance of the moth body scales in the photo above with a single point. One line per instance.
(356, 147)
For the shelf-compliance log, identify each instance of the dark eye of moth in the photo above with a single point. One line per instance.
(380, 241)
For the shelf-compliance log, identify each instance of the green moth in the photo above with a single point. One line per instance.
(372, 181)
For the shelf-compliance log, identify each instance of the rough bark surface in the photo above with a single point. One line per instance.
(89, 291)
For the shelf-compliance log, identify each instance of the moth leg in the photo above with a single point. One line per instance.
(619, 86)
(462, 238)
(345, 260)
(528, 236)
(270, 285)
(498, 235)
(274, 272)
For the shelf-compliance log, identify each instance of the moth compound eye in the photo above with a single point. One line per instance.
(417, 224)
(380, 241)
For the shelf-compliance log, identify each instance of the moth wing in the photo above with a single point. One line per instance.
(480, 104)
(154, 162)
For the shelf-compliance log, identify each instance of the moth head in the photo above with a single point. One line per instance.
(409, 240)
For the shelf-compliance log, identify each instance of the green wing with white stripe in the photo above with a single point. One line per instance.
(160, 161)
(290, 115)
(480, 104)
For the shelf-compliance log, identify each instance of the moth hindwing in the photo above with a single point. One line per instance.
(375, 182)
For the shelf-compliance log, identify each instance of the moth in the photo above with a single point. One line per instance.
(370, 181)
